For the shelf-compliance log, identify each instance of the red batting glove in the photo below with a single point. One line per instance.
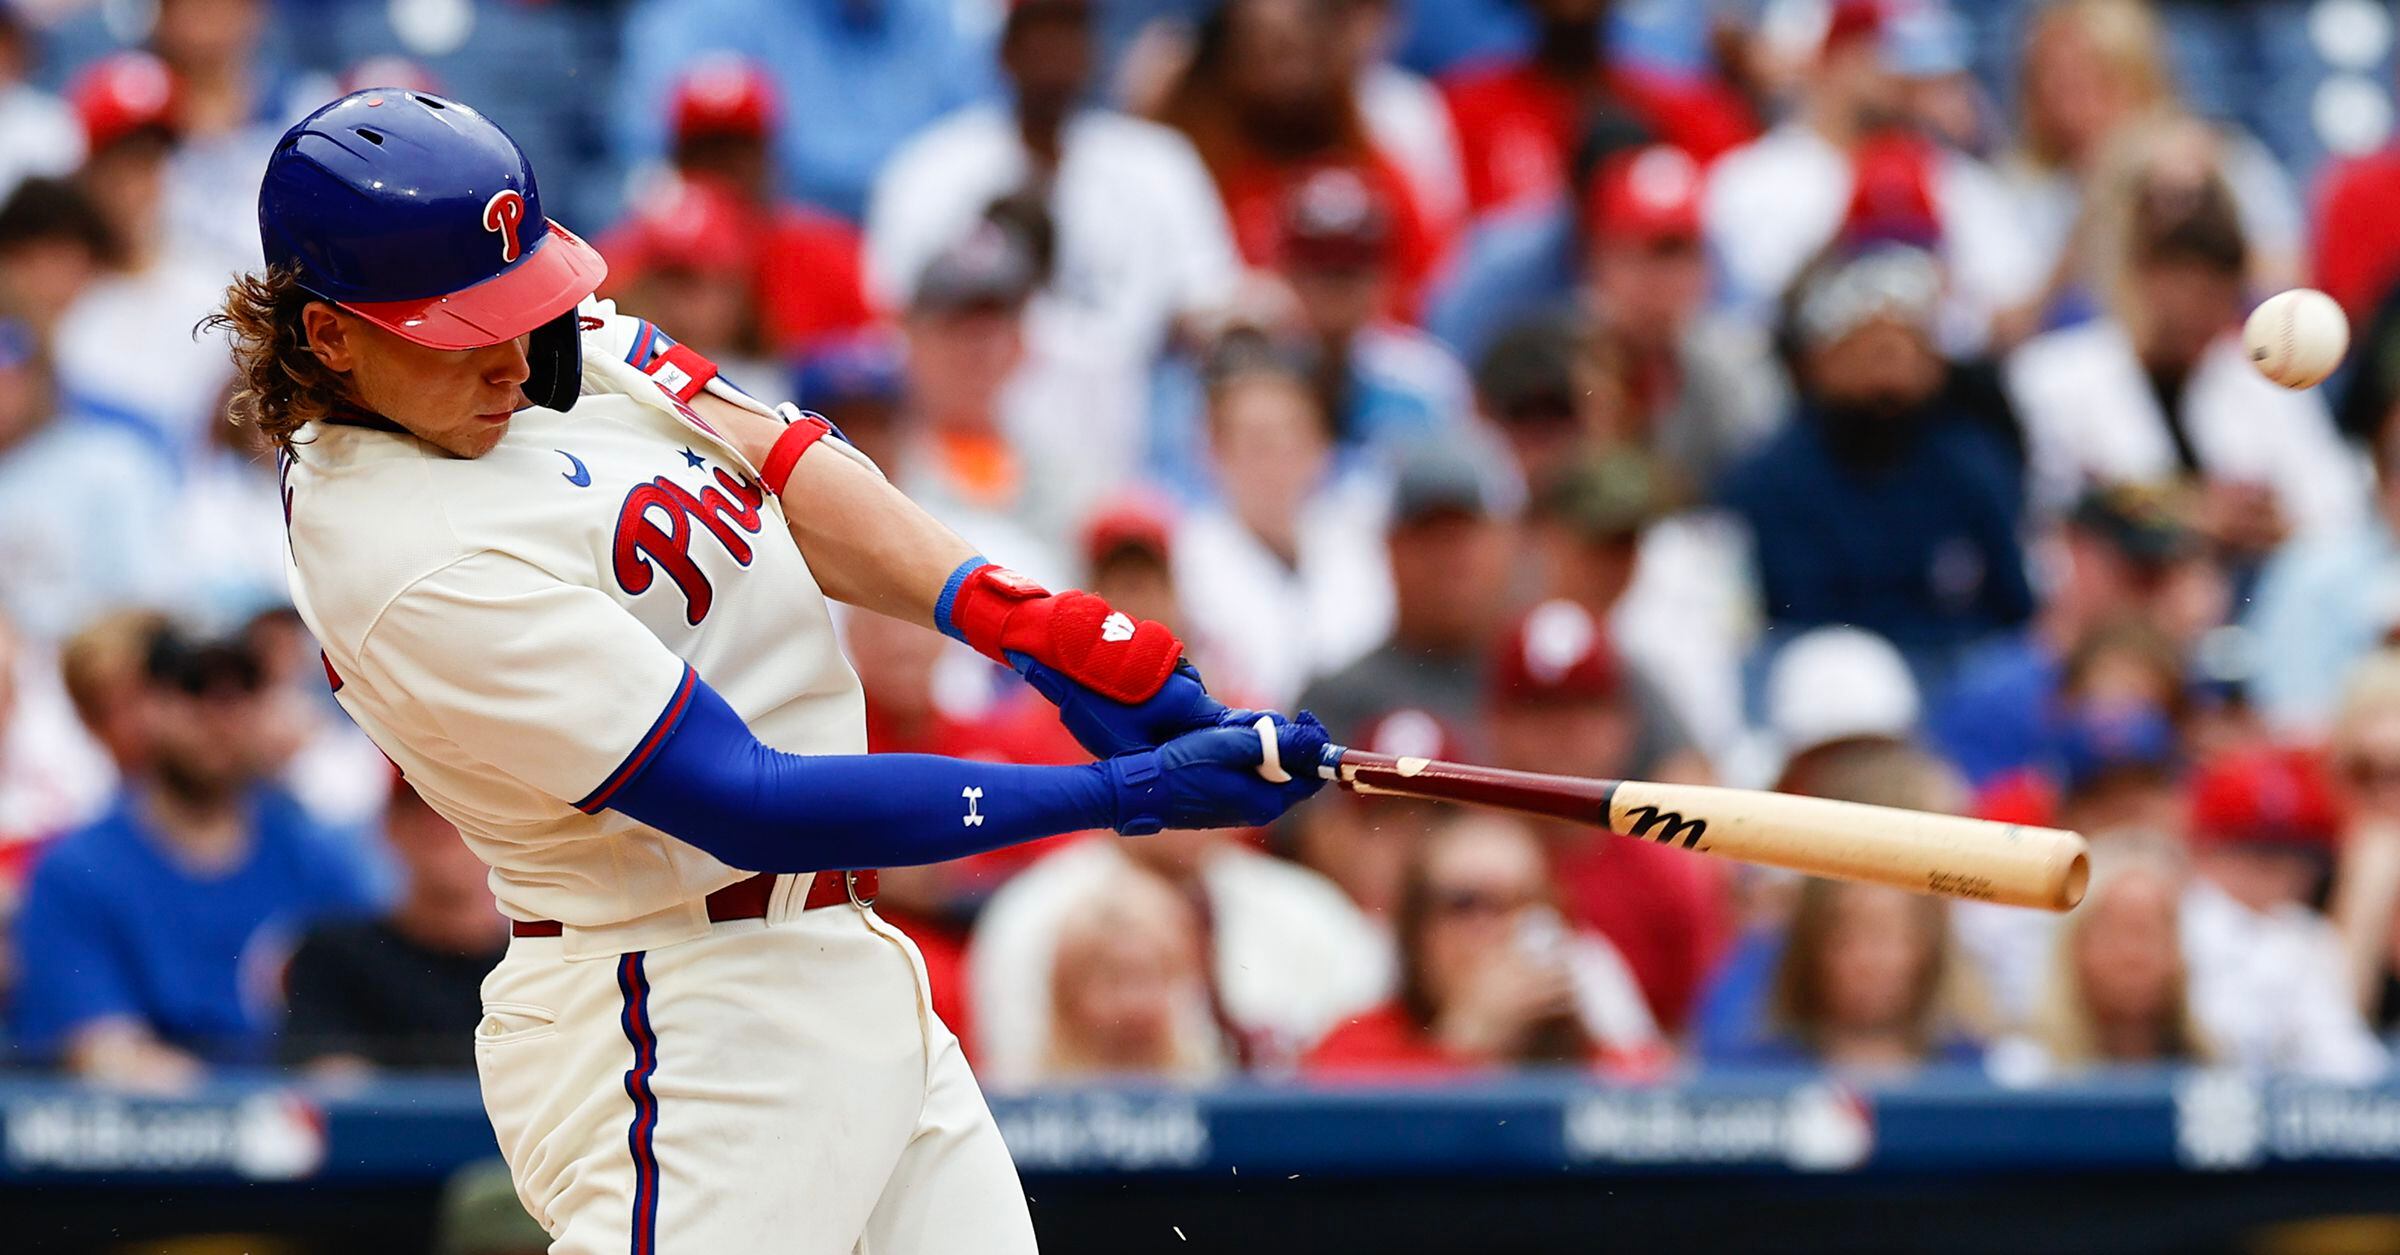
(1006, 618)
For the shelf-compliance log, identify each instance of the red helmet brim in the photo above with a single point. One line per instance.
(555, 277)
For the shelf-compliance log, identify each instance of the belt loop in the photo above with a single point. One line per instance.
(850, 886)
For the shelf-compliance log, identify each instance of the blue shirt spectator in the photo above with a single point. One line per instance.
(152, 941)
(857, 76)
(1918, 545)
(2322, 603)
(116, 926)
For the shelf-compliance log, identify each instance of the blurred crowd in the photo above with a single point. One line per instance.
(1837, 396)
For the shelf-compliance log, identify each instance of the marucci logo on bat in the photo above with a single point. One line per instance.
(1669, 825)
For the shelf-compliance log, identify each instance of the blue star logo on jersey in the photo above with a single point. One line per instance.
(693, 458)
(581, 476)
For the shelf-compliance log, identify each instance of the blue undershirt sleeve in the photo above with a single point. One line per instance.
(710, 782)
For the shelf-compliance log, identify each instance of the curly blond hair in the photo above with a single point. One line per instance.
(281, 386)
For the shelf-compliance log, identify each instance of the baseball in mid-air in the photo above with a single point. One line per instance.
(2296, 338)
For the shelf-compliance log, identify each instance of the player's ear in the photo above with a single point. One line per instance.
(328, 336)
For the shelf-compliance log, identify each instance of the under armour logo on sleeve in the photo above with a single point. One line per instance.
(973, 817)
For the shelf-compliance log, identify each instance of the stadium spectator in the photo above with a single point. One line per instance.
(688, 258)
(53, 245)
(1885, 502)
(1266, 106)
(1699, 389)
(230, 107)
(1288, 956)
(1775, 203)
(2159, 389)
(965, 333)
(1875, 766)
(1827, 690)
(1448, 541)
(2119, 994)
(1558, 700)
(2092, 72)
(308, 747)
(150, 940)
(861, 378)
(1490, 976)
(2125, 553)
(1606, 536)
(1364, 842)
(2324, 602)
(1519, 120)
(1140, 244)
(1869, 984)
(1553, 391)
(1282, 571)
(1129, 988)
(2271, 983)
(402, 991)
(1384, 383)
(103, 667)
(156, 287)
(806, 276)
(856, 79)
(38, 133)
(2364, 753)
(1404, 113)
(84, 505)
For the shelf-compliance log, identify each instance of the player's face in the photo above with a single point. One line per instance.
(458, 400)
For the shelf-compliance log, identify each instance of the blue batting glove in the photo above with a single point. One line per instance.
(1108, 728)
(1219, 777)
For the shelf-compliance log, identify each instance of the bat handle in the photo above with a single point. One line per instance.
(1329, 762)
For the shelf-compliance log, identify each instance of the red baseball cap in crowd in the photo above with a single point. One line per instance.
(687, 224)
(1336, 219)
(1853, 20)
(1556, 654)
(2274, 796)
(724, 94)
(122, 94)
(1891, 192)
(1650, 196)
(1127, 523)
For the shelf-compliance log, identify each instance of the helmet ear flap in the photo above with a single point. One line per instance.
(555, 353)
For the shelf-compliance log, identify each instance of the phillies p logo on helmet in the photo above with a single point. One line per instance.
(504, 213)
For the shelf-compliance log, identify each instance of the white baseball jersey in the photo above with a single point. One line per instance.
(514, 631)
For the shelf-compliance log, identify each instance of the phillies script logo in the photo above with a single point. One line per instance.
(658, 523)
(1668, 824)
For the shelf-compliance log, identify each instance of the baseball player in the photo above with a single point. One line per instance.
(544, 552)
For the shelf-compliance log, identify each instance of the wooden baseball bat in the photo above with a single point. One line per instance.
(1942, 854)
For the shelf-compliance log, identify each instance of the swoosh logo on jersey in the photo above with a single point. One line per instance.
(580, 476)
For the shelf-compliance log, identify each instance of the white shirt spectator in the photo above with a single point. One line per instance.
(127, 346)
(1407, 120)
(38, 136)
(1286, 625)
(1774, 202)
(2091, 416)
(2048, 202)
(84, 526)
(1141, 240)
(1292, 956)
(229, 533)
(2273, 991)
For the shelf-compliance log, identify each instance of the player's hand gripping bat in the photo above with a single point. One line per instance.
(1943, 854)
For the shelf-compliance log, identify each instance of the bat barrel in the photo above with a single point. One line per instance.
(1976, 859)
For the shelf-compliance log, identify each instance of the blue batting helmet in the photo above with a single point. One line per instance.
(421, 215)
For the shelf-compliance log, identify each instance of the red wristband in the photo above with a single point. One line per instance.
(785, 453)
(999, 613)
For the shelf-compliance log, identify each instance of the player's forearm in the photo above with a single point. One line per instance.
(712, 784)
(866, 542)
